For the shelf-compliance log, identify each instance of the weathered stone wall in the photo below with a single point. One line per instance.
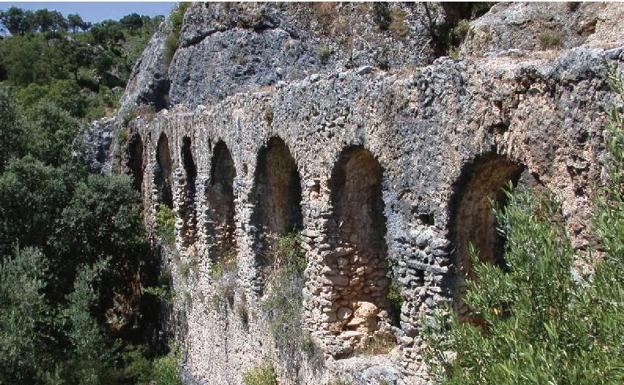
(393, 168)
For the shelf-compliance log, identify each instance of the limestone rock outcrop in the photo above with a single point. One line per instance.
(545, 26)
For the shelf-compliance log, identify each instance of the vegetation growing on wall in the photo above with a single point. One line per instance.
(165, 224)
(175, 21)
(283, 304)
(542, 322)
(261, 375)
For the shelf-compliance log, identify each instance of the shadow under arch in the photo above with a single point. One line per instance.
(220, 225)
(358, 268)
(162, 172)
(187, 204)
(135, 161)
(472, 221)
(277, 199)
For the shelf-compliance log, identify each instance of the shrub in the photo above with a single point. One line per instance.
(396, 302)
(283, 304)
(380, 343)
(25, 311)
(261, 375)
(176, 18)
(166, 370)
(165, 224)
(542, 324)
(550, 39)
(381, 16)
(224, 265)
(398, 27)
(323, 52)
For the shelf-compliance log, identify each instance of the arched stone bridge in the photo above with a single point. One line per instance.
(384, 174)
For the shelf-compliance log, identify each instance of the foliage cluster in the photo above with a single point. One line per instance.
(165, 224)
(80, 67)
(261, 375)
(541, 322)
(550, 39)
(395, 298)
(448, 35)
(74, 256)
(379, 343)
(283, 305)
(176, 18)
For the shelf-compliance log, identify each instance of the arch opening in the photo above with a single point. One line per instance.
(358, 268)
(220, 200)
(135, 161)
(187, 206)
(162, 172)
(472, 222)
(277, 196)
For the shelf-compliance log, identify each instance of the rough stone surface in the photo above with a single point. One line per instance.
(541, 26)
(96, 141)
(428, 131)
(149, 82)
(231, 48)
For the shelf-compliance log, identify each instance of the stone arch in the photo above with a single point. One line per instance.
(472, 222)
(135, 161)
(162, 172)
(277, 197)
(220, 201)
(187, 206)
(358, 266)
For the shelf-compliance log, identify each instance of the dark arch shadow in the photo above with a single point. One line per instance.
(187, 206)
(359, 268)
(277, 199)
(472, 222)
(135, 161)
(220, 226)
(162, 173)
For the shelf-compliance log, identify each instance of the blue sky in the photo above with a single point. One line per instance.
(95, 12)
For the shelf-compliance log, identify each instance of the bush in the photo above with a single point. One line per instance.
(261, 375)
(398, 27)
(550, 39)
(380, 343)
(166, 370)
(396, 302)
(224, 265)
(283, 304)
(176, 18)
(25, 311)
(540, 323)
(165, 224)
(323, 52)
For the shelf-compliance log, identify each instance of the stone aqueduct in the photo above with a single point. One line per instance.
(384, 175)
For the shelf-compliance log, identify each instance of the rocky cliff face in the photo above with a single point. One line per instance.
(385, 162)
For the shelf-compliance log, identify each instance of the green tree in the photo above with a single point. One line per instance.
(12, 140)
(25, 319)
(47, 21)
(32, 196)
(75, 23)
(22, 59)
(91, 361)
(132, 22)
(53, 131)
(103, 222)
(17, 21)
